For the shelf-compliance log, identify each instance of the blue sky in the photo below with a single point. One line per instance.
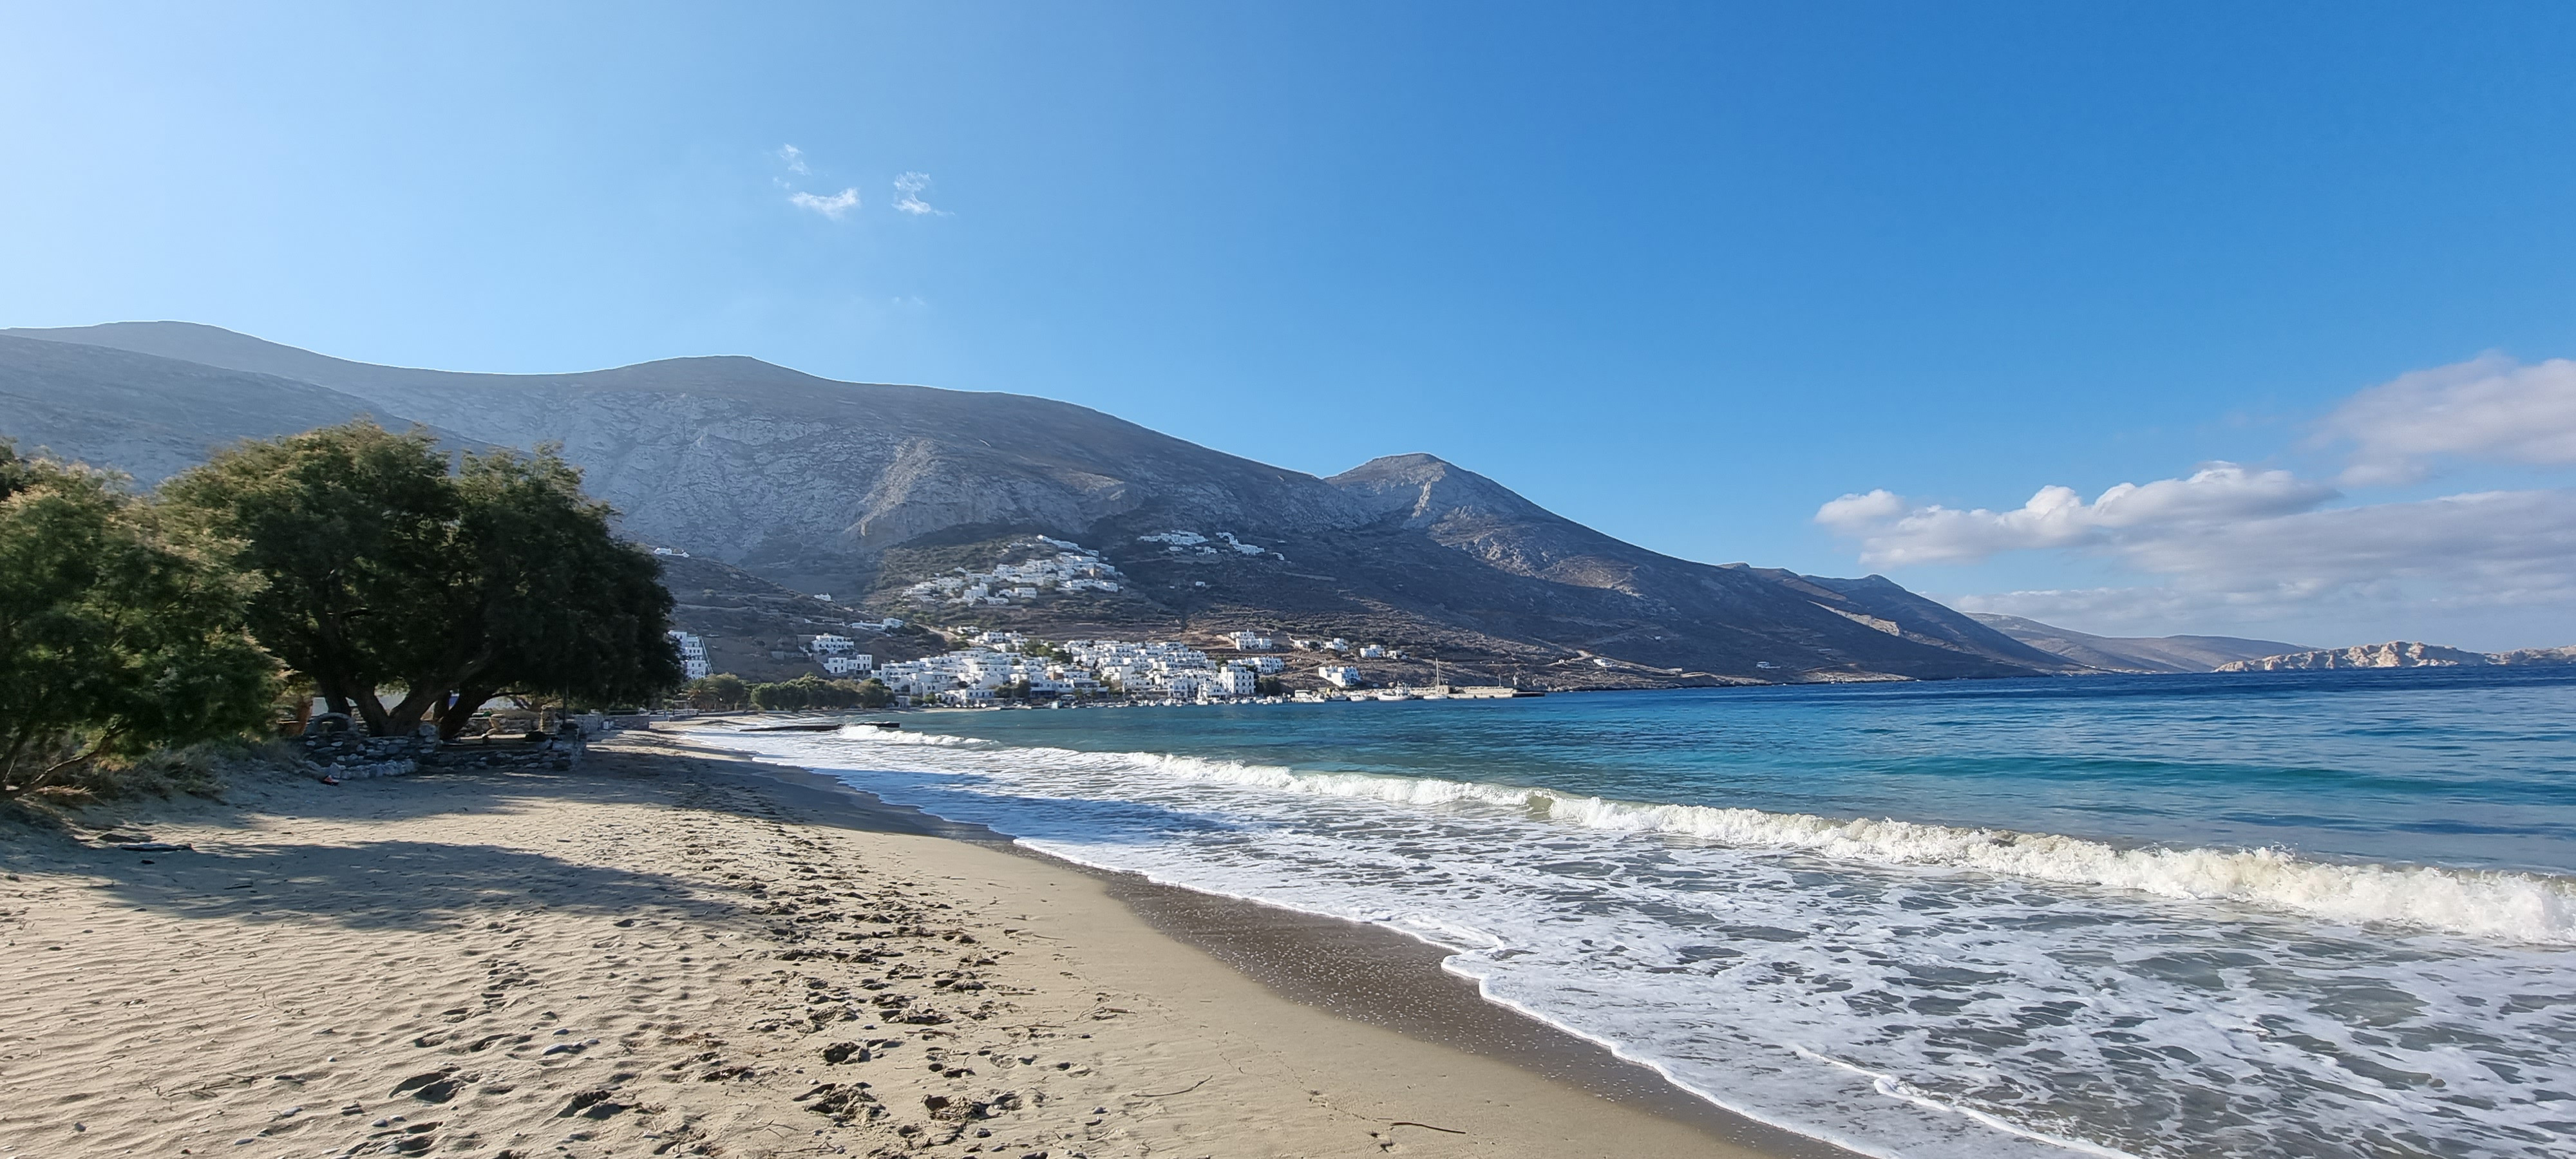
(1687, 273)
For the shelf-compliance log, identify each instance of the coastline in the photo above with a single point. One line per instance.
(1362, 974)
(659, 953)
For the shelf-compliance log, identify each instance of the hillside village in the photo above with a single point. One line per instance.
(1072, 568)
(992, 667)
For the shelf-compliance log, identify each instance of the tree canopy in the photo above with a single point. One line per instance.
(387, 568)
(120, 630)
(350, 526)
(720, 691)
(811, 691)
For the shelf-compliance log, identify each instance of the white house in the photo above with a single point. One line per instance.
(1339, 675)
(1268, 665)
(848, 663)
(1234, 680)
(693, 655)
(915, 678)
(1372, 652)
(1251, 641)
(828, 645)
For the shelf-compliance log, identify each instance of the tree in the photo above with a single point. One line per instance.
(349, 526)
(811, 691)
(120, 631)
(547, 600)
(783, 696)
(724, 690)
(385, 568)
(1269, 686)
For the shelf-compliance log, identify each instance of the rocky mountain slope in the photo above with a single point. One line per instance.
(2135, 653)
(2399, 654)
(858, 489)
(151, 416)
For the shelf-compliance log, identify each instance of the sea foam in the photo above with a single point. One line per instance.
(1898, 988)
(2524, 907)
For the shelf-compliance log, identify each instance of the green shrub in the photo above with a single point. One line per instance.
(121, 631)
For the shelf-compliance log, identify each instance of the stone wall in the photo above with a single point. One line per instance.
(340, 751)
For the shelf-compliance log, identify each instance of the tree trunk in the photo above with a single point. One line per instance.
(372, 711)
(428, 694)
(469, 701)
(356, 703)
(419, 702)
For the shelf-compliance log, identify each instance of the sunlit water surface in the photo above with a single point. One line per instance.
(2276, 914)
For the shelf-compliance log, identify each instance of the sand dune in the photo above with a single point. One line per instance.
(673, 953)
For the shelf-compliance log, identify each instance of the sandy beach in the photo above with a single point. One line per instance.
(673, 951)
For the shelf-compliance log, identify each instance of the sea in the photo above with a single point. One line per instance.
(2264, 914)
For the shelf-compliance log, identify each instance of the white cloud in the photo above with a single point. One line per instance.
(2488, 548)
(2489, 408)
(832, 207)
(910, 185)
(2245, 546)
(794, 157)
(1894, 532)
(2253, 547)
(2507, 554)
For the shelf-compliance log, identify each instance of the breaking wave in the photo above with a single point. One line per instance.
(2525, 907)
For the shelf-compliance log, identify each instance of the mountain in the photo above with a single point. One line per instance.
(2400, 654)
(150, 416)
(859, 490)
(2135, 653)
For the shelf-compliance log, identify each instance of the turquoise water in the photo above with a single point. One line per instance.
(2273, 914)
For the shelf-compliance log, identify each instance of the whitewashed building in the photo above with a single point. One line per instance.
(693, 655)
(1339, 675)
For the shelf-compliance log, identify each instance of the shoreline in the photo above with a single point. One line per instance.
(1364, 973)
(676, 951)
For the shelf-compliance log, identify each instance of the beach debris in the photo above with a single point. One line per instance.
(1161, 1094)
(1424, 1126)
